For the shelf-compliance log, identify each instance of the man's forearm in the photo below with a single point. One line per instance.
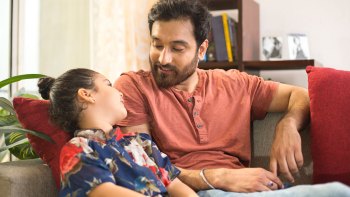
(298, 109)
(193, 179)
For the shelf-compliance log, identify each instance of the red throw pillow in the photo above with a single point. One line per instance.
(329, 92)
(33, 115)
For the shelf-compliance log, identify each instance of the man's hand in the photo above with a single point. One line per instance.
(235, 180)
(248, 180)
(286, 153)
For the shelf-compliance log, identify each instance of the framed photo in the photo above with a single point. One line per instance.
(298, 46)
(272, 47)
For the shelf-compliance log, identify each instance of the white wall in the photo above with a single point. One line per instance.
(326, 24)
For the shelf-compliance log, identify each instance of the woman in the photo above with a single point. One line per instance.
(100, 160)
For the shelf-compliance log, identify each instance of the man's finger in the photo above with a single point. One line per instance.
(273, 166)
(263, 188)
(283, 168)
(278, 183)
(292, 165)
(299, 158)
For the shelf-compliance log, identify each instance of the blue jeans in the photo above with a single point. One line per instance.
(335, 189)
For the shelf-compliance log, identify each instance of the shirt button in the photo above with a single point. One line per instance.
(199, 126)
(195, 113)
(190, 100)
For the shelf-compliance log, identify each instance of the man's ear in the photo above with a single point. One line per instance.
(203, 49)
(85, 95)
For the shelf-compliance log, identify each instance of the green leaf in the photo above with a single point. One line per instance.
(19, 78)
(14, 144)
(26, 95)
(21, 149)
(13, 137)
(3, 112)
(9, 129)
(7, 105)
(8, 120)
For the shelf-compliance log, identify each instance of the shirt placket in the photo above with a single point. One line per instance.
(202, 132)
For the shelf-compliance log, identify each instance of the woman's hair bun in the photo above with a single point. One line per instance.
(45, 85)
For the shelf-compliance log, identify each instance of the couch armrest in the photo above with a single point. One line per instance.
(262, 136)
(29, 178)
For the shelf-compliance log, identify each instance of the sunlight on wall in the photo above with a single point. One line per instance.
(120, 36)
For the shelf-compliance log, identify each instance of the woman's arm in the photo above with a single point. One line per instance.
(177, 188)
(109, 189)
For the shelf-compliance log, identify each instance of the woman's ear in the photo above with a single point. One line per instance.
(85, 95)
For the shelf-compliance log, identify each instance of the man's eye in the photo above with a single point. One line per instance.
(178, 49)
(158, 46)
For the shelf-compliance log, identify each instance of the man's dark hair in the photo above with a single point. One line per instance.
(166, 10)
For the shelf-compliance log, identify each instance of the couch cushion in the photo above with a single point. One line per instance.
(33, 115)
(329, 92)
(26, 178)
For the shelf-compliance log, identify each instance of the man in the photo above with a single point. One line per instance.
(201, 119)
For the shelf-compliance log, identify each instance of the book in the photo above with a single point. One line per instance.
(219, 38)
(227, 36)
(233, 28)
(211, 56)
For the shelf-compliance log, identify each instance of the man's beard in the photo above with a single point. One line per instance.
(175, 76)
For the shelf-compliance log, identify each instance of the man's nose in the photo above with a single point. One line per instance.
(165, 57)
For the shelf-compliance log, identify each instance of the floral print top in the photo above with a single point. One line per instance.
(129, 160)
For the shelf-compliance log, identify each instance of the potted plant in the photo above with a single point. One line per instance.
(15, 135)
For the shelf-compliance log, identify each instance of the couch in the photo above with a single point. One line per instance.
(326, 157)
(32, 178)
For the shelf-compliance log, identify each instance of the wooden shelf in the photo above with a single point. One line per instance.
(221, 4)
(278, 65)
(248, 40)
(219, 65)
(248, 34)
(260, 65)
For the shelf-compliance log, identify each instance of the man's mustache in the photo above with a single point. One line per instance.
(166, 66)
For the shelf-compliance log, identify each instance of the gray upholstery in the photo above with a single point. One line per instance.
(263, 131)
(33, 178)
(30, 178)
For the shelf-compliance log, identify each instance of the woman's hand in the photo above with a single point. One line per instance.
(109, 189)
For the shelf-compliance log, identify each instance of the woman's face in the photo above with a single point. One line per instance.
(109, 99)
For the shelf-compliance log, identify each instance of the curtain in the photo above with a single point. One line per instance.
(120, 36)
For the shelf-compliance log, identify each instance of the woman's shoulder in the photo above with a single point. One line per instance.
(76, 145)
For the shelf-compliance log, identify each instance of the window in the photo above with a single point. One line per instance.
(5, 30)
(5, 13)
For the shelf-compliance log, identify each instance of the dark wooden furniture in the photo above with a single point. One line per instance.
(248, 40)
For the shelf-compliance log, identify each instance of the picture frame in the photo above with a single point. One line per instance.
(272, 47)
(298, 47)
